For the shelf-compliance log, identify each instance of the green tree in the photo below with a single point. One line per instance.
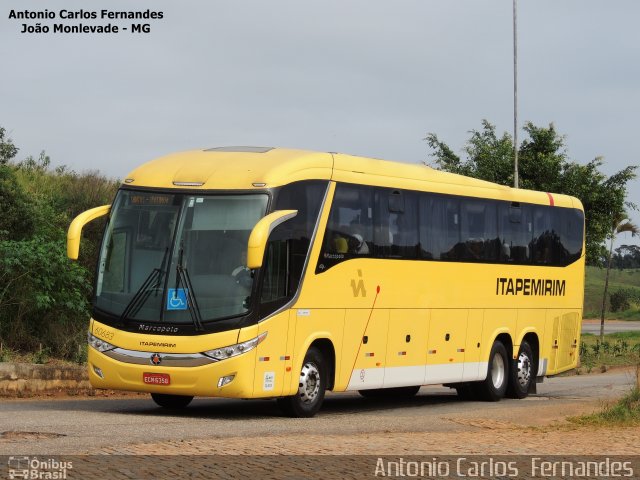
(626, 256)
(543, 165)
(44, 298)
(8, 150)
(619, 225)
(16, 208)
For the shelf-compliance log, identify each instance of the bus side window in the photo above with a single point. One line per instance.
(515, 232)
(572, 233)
(289, 243)
(545, 238)
(439, 226)
(349, 232)
(274, 283)
(479, 231)
(402, 222)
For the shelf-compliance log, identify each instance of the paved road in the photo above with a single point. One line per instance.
(94, 425)
(611, 327)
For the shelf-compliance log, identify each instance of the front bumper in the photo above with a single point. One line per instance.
(191, 380)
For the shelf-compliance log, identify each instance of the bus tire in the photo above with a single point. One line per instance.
(494, 387)
(311, 387)
(171, 401)
(395, 392)
(521, 373)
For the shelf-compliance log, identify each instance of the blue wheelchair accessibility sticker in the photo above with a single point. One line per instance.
(177, 299)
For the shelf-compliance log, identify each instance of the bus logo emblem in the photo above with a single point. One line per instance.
(358, 288)
(156, 359)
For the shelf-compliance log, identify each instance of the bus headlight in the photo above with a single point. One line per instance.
(98, 343)
(234, 350)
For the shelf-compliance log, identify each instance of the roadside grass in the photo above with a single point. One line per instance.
(618, 349)
(40, 357)
(618, 279)
(625, 411)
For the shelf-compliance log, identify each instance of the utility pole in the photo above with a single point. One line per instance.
(515, 93)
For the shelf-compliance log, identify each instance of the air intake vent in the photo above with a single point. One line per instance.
(188, 184)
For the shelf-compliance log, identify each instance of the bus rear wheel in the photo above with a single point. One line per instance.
(171, 401)
(521, 374)
(395, 392)
(494, 387)
(311, 387)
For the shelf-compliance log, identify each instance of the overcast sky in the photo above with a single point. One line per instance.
(366, 77)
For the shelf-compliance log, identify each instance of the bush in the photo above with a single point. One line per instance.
(624, 299)
(16, 220)
(45, 298)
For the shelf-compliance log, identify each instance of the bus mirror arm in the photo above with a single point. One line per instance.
(260, 234)
(75, 229)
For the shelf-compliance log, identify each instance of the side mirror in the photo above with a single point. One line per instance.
(75, 229)
(260, 235)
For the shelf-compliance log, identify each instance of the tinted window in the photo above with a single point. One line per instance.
(400, 224)
(557, 236)
(439, 227)
(274, 282)
(396, 225)
(479, 230)
(349, 231)
(289, 243)
(515, 230)
(571, 231)
(546, 239)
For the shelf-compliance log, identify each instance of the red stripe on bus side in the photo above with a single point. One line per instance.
(551, 202)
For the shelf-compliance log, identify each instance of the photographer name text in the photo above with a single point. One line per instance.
(538, 467)
(84, 21)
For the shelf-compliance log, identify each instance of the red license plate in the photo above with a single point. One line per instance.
(156, 378)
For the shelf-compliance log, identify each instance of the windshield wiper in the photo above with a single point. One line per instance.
(182, 276)
(150, 284)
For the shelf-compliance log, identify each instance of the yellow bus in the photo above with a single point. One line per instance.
(249, 272)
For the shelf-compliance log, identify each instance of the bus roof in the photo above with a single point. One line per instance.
(245, 168)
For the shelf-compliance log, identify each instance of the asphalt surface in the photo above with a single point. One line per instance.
(611, 327)
(72, 426)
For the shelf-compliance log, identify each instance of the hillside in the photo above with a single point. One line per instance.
(618, 279)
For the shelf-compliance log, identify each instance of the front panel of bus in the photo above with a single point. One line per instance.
(176, 310)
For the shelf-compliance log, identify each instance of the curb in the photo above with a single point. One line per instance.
(27, 378)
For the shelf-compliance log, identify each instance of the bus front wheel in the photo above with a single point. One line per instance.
(521, 374)
(494, 386)
(171, 401)
(311, 387)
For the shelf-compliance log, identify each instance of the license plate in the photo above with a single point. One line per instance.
(156, 378)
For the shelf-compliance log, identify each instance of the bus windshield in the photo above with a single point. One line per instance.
(172, 256)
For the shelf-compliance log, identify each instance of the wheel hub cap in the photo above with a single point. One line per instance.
(524, 370)
(309, 385)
